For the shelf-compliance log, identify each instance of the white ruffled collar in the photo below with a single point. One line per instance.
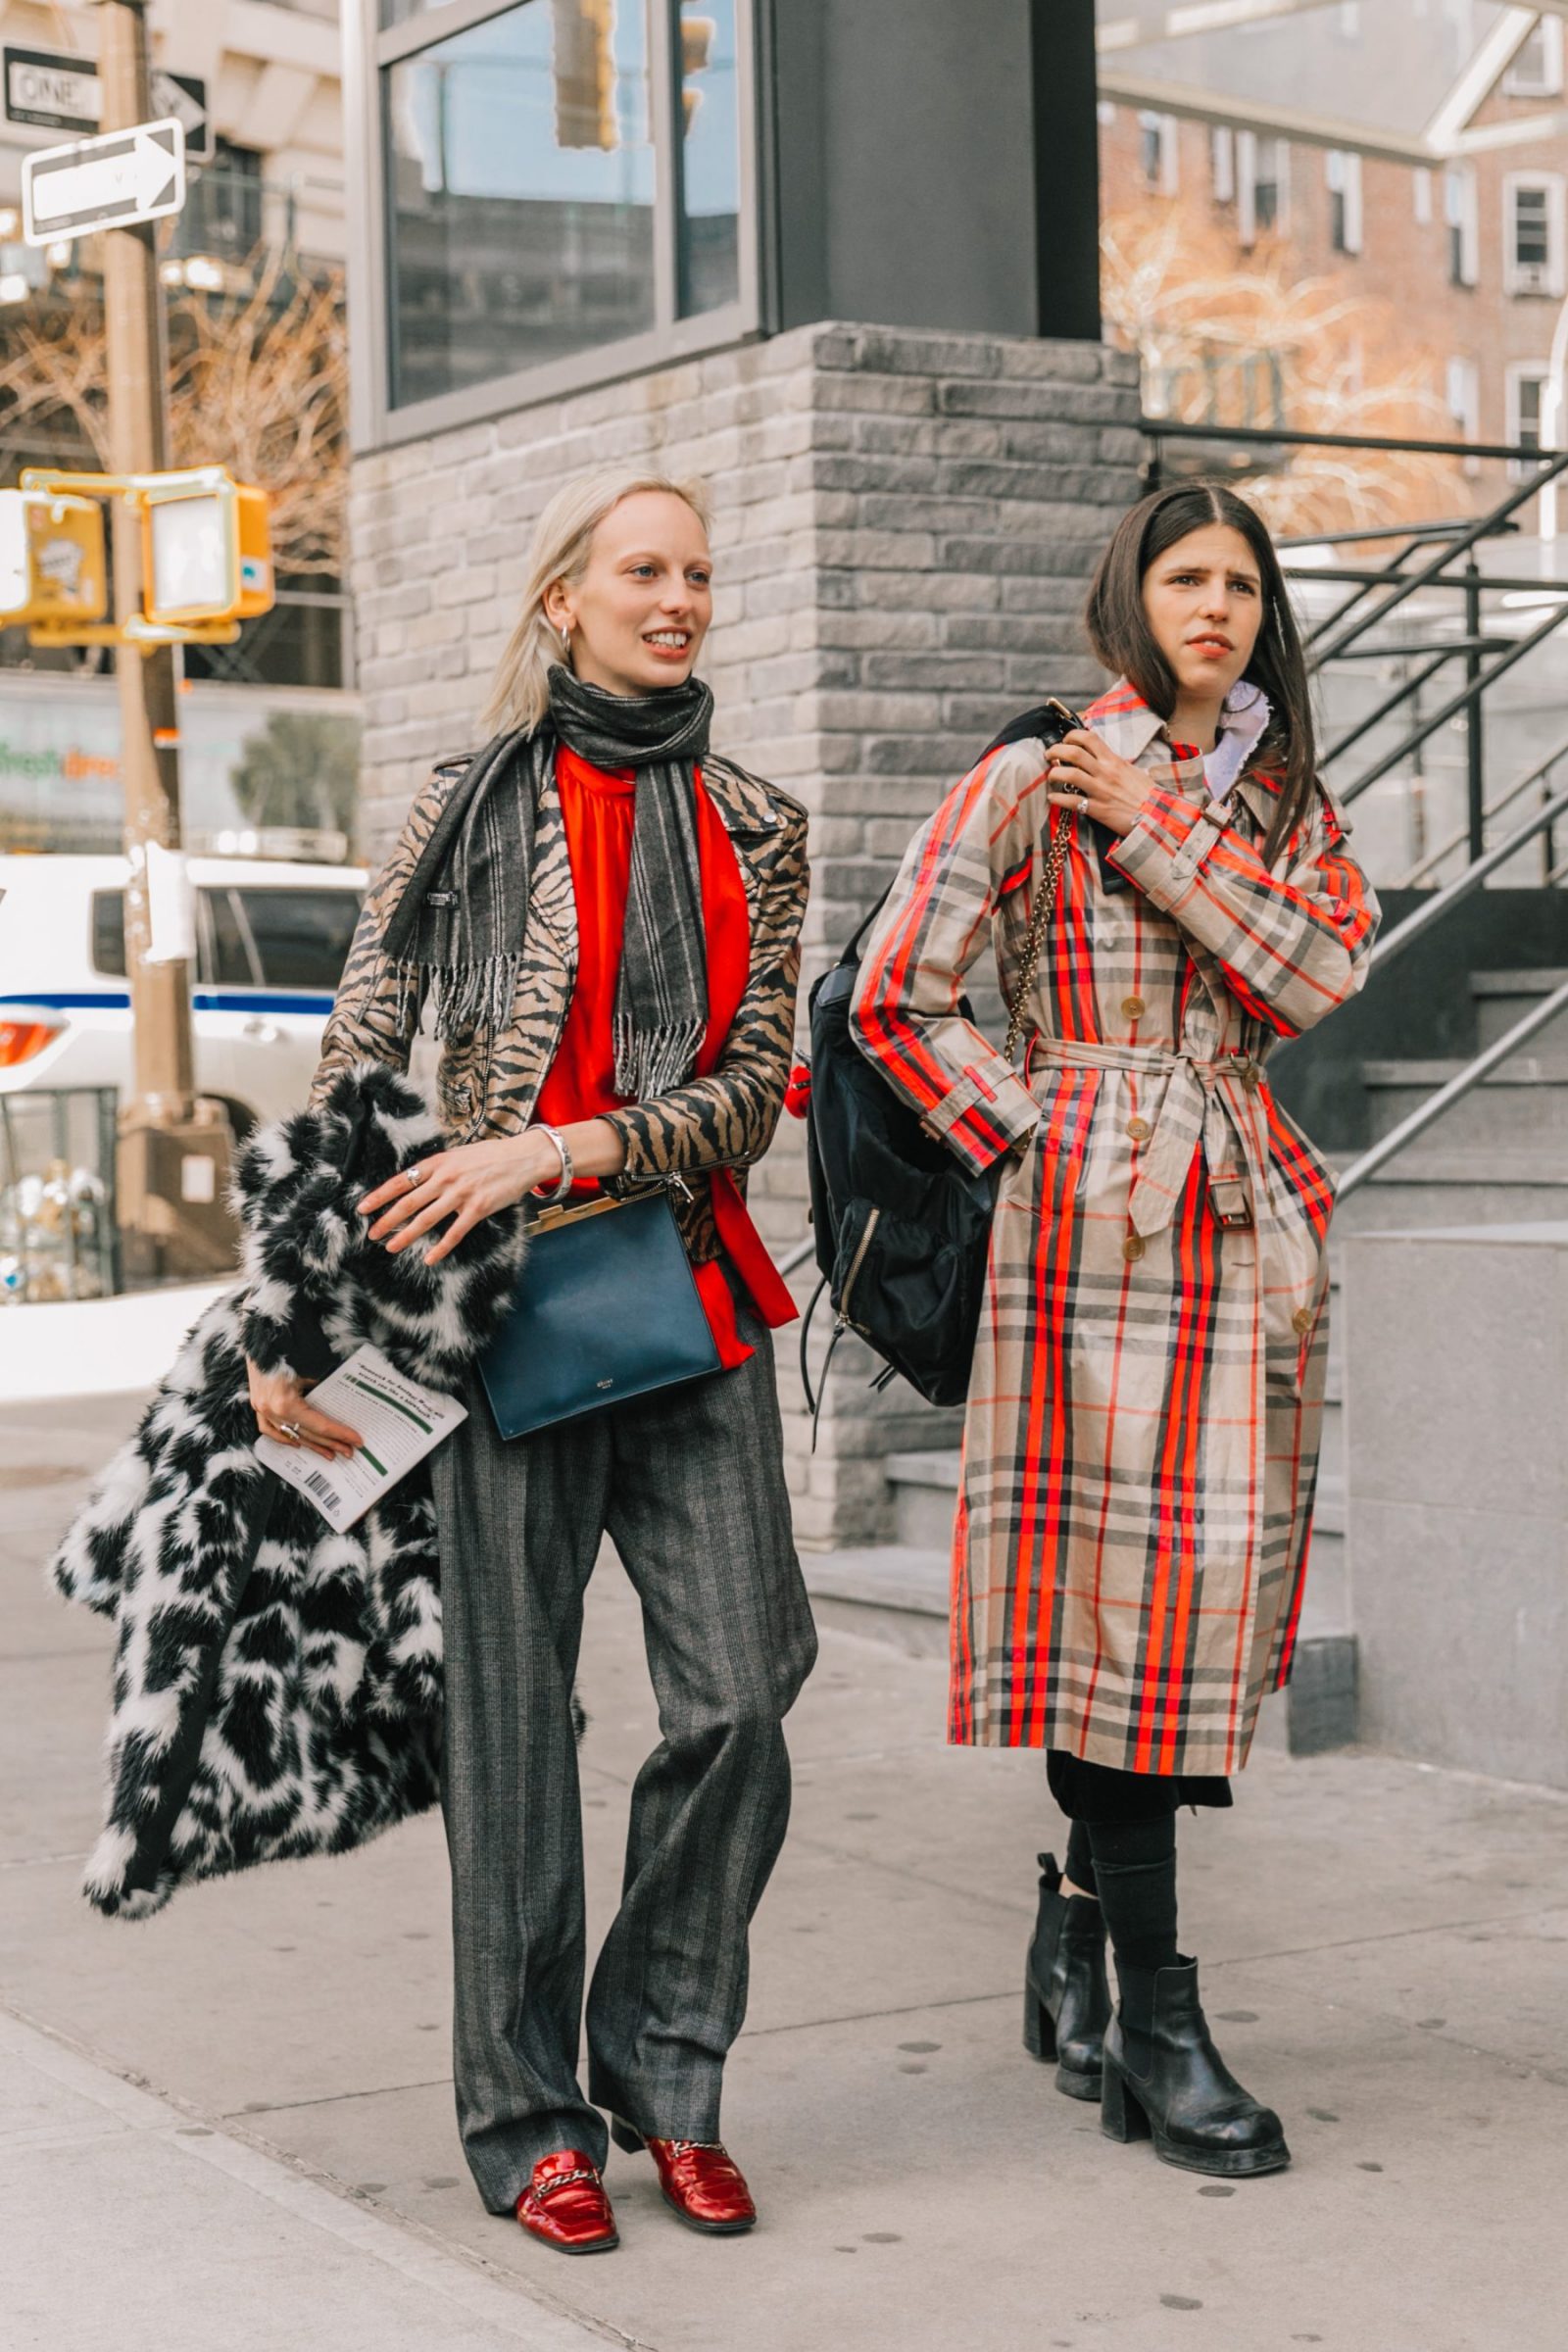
(1243, 724)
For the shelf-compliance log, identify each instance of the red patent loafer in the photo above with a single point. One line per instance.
(564, 2205)
(702, 2182)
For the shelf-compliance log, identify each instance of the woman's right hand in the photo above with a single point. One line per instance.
(283, 1411)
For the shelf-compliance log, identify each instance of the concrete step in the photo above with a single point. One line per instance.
(893, 1592)
(899, 1594)
(925, 1492)
(1432, 1185)
(1524, 1108)
(1504, 997)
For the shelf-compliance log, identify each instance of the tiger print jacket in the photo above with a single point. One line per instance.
(487, 1086)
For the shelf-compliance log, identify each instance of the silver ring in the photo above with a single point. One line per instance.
(415, 1178)
(292, 1430)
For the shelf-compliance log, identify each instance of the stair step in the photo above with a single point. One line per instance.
(892, 1593)
(1532, 980)
(1523, 1104)
(925, 1492)
(898, 1595)
(1503, 999)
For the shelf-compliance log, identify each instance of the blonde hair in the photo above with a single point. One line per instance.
(562, 541)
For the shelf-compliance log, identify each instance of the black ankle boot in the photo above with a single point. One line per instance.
(1066, 2000)
(1164, 2079)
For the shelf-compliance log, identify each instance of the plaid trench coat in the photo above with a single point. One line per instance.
(1140, 1445)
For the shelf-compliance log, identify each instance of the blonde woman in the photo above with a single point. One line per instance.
(604, 918)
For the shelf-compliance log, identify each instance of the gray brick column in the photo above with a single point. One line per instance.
(904, 525)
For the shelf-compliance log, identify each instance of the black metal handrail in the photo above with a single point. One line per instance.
(1466, 699)
(1170, 429)
(1402, 587)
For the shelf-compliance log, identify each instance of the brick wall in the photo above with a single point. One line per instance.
(1404, 265)
(905, 523)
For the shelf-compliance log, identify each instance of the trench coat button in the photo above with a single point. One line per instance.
(1302, 1320)
(1251, 1077)
(1140, 1130)
(1134, 1007)
(1132, 1248)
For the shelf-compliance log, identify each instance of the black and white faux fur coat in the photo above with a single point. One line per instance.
(276, 1687)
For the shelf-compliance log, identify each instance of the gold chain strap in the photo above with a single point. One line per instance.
(1061, 841)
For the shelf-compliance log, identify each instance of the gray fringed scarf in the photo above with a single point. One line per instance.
(459, 925)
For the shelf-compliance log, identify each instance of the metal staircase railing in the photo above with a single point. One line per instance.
(1423, 566)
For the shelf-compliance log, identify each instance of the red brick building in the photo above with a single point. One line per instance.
(1411, 154)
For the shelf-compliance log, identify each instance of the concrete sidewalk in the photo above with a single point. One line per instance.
(1383, 1951)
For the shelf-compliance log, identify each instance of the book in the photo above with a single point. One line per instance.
(399, 1422)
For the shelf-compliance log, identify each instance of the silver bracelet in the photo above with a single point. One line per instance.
(549, 1199)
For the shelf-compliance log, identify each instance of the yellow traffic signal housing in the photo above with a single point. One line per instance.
(584, 69)
(697, 34)
(52, 565)
(206, 552)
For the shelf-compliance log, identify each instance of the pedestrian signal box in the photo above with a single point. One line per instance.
(206, 545)
(207, 550)
(52, 565)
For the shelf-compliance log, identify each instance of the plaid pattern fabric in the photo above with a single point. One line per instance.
(1140, 1445)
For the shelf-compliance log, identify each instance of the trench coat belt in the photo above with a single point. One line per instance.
(1214, 1102)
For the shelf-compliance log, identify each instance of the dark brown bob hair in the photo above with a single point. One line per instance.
(1122, 640)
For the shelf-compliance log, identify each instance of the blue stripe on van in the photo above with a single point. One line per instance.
(203, 999)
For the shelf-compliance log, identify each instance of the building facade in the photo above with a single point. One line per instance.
(1411, 156)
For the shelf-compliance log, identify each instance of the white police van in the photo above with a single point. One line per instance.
(270, 942)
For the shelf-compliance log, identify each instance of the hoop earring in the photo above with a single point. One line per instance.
(566, 642)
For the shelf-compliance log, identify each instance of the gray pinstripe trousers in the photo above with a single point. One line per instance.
(689, 1484)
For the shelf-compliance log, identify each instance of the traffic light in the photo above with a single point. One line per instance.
(585, 74)
(52, 566)
(205, 549)
(696, 36)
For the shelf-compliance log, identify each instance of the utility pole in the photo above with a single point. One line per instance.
(173, 1150)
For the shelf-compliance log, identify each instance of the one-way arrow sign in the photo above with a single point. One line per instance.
(59, 91)
(108, 182)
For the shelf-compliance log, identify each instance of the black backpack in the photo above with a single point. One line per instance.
(902, 1228)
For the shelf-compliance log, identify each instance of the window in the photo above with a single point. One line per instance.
(1463, 389)
(222, 213)
(1532, 233)
(299, 937)
(1421, 194)
(1526, 389)
(1222, 163)
(1343, 170)
(1537, 68)
(109, 933)
(1459, 210)
(562, 194)
(707, 153)
(1262, 184)
(248, 937)
(1158, 152)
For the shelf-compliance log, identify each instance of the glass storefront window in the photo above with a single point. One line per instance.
(519, 180)
(559, 179)
(709, 156)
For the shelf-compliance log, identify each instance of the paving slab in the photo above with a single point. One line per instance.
(129, 2222)
(1382, 1950)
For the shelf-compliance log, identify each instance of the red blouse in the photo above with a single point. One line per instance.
(598, 808)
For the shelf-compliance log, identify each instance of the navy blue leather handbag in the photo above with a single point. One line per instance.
(606, 1309)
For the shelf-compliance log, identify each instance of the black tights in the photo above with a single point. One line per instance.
(1131, 1867)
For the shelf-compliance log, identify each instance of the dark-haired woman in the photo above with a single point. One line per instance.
(604, 916)
(1141, 1436)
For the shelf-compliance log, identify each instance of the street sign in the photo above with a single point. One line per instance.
(57, 91)
(127, 176)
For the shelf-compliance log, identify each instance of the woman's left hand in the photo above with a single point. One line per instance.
(1087, 776)
(469, 1182)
